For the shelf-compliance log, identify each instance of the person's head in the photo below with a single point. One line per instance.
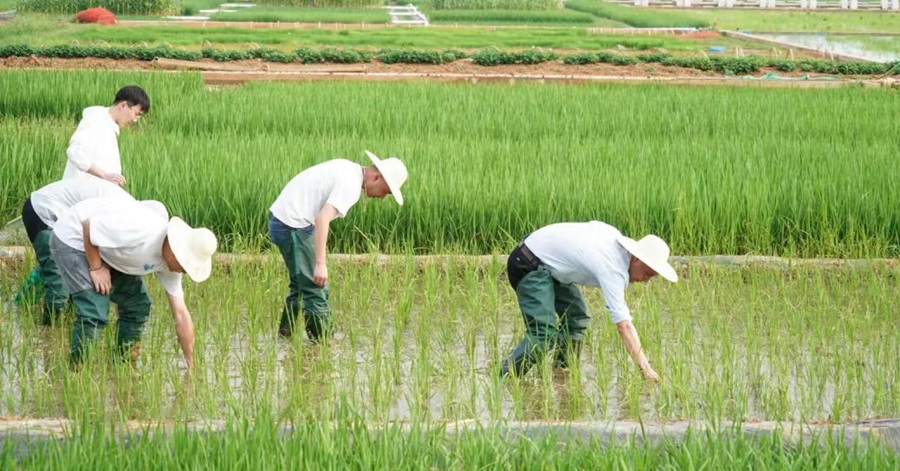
(130, 104)
(185, 249)
(190, 250)
(649, 257)
(384, 177)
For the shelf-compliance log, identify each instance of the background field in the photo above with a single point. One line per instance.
(714, 170)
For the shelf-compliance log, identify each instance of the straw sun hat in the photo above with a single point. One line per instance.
(394, 172)
(654, 252)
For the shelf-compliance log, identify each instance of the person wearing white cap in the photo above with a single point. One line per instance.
(104, 246)
(299, 224)
(40, 213)
(545, 269)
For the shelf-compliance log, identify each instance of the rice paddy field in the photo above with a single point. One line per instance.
(421, 333)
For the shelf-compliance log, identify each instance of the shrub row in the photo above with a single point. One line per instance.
(484, 57)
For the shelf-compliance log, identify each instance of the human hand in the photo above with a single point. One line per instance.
(650, 375)
(102, 280)
(115, 178)
(320, 275)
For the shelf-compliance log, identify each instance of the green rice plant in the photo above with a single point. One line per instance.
(119, 7)
(638, 17)
(494, 4)
(510, 16)
(324, 3)
(742, 175)
(305, 15)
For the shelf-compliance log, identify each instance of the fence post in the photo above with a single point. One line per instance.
(854, 4)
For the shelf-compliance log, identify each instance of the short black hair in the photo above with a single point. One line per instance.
(133, 95)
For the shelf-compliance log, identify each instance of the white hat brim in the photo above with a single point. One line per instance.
(661, 267)
(394, 186)
(196, 268)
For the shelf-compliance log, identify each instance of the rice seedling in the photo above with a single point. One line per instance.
(731, 344)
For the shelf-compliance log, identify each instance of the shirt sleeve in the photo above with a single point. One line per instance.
(343, 196)
(116, 228)
(614, 295)
(82, 146)
(172, 282)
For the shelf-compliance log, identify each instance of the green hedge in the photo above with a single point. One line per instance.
(484, 57)
(119, 7)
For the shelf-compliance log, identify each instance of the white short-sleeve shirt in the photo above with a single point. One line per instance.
(336, 182)
(589, 254)
(129, 235)
(51, 201)
(95, 143)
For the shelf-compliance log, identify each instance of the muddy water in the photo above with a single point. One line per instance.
(859, 46)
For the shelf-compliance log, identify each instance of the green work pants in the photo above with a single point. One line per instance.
(55, 295)
(297, 249)
(553, 313)
(92, 314)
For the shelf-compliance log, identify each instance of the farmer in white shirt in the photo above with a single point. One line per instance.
(299, 222)
(94, 147)
(104, 246)
(40, 213)
(544, 270)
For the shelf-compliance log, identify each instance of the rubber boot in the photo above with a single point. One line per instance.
(519, 361)
(318, 327)
(288, 319)
(568, 351)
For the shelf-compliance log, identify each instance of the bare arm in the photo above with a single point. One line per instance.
(633, 345)
(184, 328)
(323, 223)
(99, 273)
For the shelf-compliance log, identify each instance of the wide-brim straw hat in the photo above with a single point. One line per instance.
(654, 252)
(193, 248)
(394, 172)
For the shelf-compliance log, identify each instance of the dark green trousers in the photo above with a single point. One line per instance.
(92, 314)
(555, 314)
(56, 298)
(297, 249)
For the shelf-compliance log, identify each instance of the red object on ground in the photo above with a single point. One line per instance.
(96, 15)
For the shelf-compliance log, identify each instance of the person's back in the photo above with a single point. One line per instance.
(337, 182)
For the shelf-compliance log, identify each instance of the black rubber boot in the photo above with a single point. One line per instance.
(519, 361)
(568, 352)
(318, 327)
(288, 320)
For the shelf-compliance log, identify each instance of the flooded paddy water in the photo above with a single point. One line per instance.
(422, 341)
(879, 48)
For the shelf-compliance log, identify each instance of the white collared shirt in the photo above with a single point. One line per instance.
(588, 254)
(51, 201)
(129, 235)
(336, 182)
(94, 144)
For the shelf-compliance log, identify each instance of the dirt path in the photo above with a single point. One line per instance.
(464, 70)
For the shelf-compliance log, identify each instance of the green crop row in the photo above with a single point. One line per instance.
(118, 7)
(510, 16)
(733, 65)
(712, 170)
(494, 4)
(484, 57)
(637, 17)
